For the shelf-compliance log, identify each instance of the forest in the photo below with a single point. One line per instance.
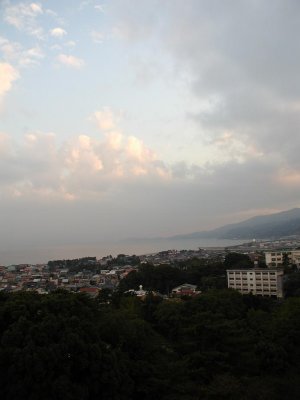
(218, 345)
(221, 345)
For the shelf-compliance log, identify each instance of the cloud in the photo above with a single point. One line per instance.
(32, 56)
(105, 119)
(241, 56)
(30, 166)
(84, 4)
(71, 61)
(138, 151)
(51, 13)
(58, 32)
(14, 52)
(36, 8)
(91, 3)
(78, 168)
(99, 7)
(238, 63)
(117, 186)
(86, 167)
(97, 37)
(23, 16)
(8, 74)
(70, 43)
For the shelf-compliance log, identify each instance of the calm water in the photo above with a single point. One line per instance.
(33, 255)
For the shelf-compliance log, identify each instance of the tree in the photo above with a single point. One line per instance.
(237, 261)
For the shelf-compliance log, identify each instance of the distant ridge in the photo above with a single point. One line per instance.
(272, 226)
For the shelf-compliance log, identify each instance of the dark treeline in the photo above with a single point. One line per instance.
(74, 265)
(201, 272)
(164, 278)
(79, 264)
(221, 345)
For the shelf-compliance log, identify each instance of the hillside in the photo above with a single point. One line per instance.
(277, 225)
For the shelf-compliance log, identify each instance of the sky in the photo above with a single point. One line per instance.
(145, 118)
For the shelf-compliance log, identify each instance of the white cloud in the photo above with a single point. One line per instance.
(114, 140)
(120, 177)
(23, 16)
(81, 167)
(71, 61)
(35, 52)
(136, 150)
(58, 32)
(105, 119)
(70, 43)
(10, 50)
(14, 52)
(31, 56)
(8, 74)
(51, 13)
(99, 7)
(36, 8)
(90, 3)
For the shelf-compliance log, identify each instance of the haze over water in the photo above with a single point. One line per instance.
(34, 255)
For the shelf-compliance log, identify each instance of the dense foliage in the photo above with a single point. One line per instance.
(74, 265)
(221, 345)
(163, 278)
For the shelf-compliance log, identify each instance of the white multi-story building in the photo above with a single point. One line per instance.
(263, 282)
(277, 258)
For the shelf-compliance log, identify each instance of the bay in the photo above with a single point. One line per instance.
(40, 255)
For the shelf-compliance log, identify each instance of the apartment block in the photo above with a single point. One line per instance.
(277, 258)
(263, 282)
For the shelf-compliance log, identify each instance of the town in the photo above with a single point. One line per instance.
(90, 275)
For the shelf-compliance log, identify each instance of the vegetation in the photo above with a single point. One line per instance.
(221, 345)
(74, 265)
(238, 261)
(164, 278)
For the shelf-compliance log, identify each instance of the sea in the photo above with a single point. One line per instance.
(41, 255)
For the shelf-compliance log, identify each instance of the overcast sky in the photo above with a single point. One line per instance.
(136, 118)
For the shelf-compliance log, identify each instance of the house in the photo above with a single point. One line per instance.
(91, 291)
(185, 290)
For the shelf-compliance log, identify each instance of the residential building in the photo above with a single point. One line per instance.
(185, 290)
(278, 258)
(263, 282)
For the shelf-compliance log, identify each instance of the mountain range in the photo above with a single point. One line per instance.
(272, 226)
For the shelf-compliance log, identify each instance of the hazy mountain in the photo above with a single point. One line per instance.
(281, 224)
